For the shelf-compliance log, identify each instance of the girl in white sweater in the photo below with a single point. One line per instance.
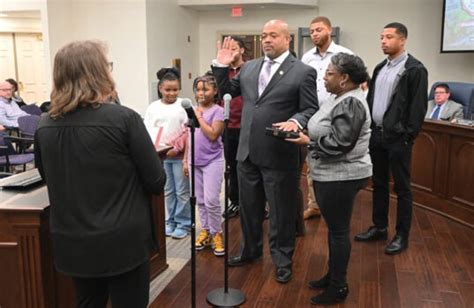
(167, 115)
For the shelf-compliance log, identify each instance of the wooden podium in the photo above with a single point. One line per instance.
(27, 275)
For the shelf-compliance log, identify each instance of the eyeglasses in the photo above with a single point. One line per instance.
(439, 93)
(7, 89)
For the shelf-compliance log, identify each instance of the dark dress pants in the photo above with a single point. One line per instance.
(395, 158)
(232, 143)
(336, 201)
(279, 187)
(130, 289)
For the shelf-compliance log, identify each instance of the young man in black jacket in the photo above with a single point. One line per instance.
(398, 100)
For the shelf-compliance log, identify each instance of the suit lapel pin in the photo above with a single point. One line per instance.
(280, 72)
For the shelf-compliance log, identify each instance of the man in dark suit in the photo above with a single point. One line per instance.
(280, 91)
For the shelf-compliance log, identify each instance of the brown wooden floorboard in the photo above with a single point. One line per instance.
(437, 270)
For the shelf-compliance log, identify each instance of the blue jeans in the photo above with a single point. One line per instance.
(177, 195)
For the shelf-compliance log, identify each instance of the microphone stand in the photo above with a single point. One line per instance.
(192, 201)
(225, 297)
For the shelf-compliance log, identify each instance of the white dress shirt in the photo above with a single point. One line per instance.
(320, 63)
(277, 62)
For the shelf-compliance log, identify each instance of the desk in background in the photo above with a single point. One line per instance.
(443, 170)
(27, 275)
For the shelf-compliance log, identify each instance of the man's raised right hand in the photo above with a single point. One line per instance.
(225, 55)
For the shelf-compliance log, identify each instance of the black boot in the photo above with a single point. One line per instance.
(233, 210)
(332, 295)
(322, 283)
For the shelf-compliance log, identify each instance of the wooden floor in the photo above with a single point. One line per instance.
(436, 271)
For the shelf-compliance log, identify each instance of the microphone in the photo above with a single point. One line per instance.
(188, 107)
(227, 97)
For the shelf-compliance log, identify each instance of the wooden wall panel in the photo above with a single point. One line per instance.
(443, 170)
(10, 292)
(460, 187)
(424, 162)
(27, 275)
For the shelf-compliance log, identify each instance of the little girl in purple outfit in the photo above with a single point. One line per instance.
(209, 163)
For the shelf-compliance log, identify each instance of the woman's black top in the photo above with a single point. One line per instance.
(101, 169)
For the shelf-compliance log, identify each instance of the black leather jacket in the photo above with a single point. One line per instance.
(405, 114)
(348, 117)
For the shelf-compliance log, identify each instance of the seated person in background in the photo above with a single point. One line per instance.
(15, 96)
(9, 110)
(441, 107)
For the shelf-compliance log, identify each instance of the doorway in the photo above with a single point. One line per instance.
(22, 58)
(253, 44)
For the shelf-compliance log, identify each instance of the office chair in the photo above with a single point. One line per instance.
(9, 157)
(32, 109)
(27, 126)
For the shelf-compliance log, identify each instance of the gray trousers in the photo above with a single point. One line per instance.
(279, 187)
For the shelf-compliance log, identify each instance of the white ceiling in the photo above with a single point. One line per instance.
(226, 5)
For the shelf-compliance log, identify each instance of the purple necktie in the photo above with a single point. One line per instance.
(264, 77)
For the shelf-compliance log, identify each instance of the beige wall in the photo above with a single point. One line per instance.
(361, 22)
(211, 24)
(59, 14)
(122, 25)
(168, 27)
(144, 35)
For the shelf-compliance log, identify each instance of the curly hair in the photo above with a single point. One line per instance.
(167, 74)
(207, 78)
(351, 65)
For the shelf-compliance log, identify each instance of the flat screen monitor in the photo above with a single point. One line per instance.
(458, 26)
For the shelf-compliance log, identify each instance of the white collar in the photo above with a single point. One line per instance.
(280, 58)
(331, 49)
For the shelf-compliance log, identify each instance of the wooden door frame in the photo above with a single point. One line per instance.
(293, 33)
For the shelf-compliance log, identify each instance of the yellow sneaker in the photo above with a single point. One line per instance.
(218, 244)
(203, 240)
